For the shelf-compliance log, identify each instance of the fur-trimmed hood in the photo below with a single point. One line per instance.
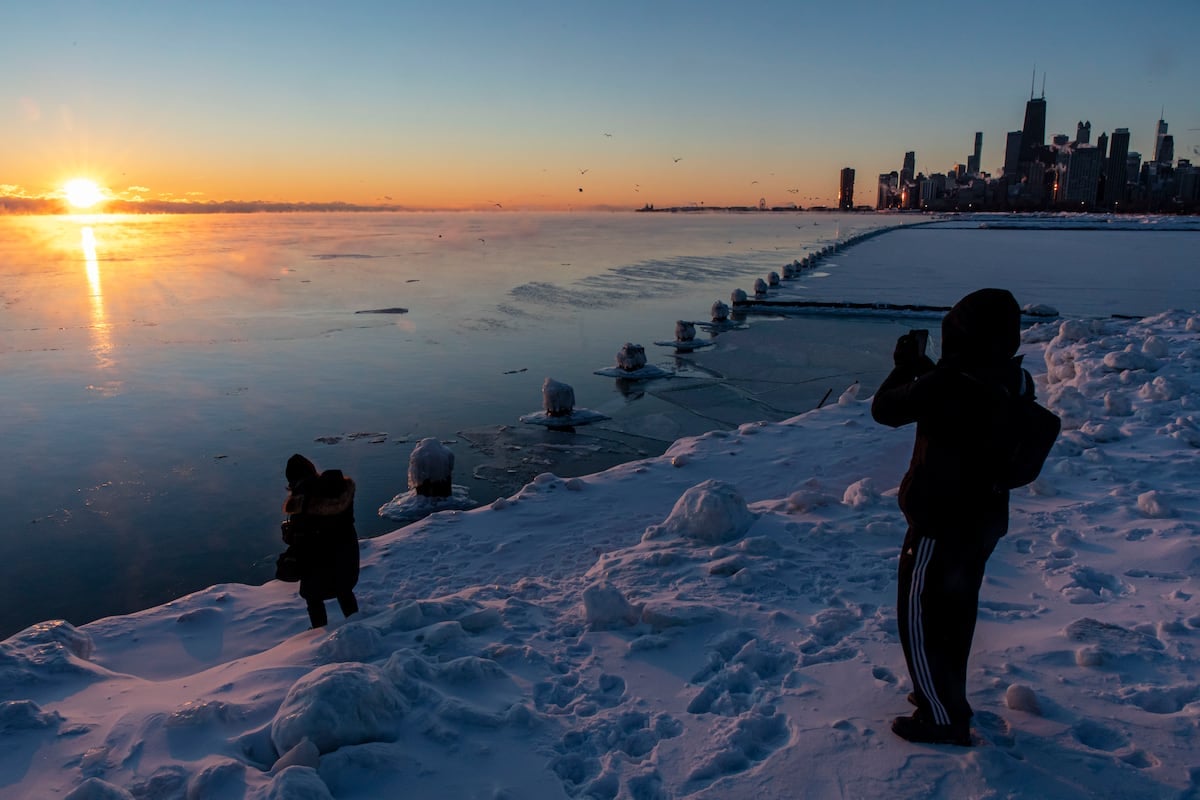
(327, 495)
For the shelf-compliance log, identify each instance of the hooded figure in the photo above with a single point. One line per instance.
(320, 531)
(950, 496)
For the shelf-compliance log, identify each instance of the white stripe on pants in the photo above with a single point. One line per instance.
(916, 633)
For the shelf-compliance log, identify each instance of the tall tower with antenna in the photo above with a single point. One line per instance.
(1033, 134)
(1161, 139)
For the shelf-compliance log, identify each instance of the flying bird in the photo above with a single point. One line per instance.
(583, 172)
(678, 159)
(609, 135)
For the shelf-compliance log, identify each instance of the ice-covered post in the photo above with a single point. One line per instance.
(773, 278)
(631, 357)
(684, 331)
(760, 286)
(720, 311)
(737, 296)
(429, 469)
(558, 399)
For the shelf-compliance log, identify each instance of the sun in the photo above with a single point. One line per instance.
(82, 193)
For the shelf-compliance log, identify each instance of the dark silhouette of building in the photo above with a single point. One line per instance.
(1012, 155)
(909, 170)
(1160, 135)
(1083, 177)
(1116, 170)
(1033, 133)
(973, 160)
(846, 192)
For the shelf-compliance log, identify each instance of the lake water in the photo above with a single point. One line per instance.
(158, 371)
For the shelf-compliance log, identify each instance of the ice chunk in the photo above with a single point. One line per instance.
(1021, 698)
(557, 398)
(429, 468)
(631, 357)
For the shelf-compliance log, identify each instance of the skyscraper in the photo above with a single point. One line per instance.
(1012, 155)
(846, 193)
(1160, 133)
(1083, 132)
(973, 160)
(1083, 176)
(1033, 134)
(909, 169)
(1115, 172)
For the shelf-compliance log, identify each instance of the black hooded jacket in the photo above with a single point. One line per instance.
(961, 409)
(320, 529)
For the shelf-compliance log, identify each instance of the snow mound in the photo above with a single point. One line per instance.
(337, 705)
(711, 512)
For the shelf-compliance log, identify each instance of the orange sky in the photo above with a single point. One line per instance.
(483, 103)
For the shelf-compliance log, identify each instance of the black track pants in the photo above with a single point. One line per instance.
(936, 606)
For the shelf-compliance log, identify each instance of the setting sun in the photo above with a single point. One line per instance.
(82, 193)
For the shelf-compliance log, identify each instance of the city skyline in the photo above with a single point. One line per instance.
(537, 105)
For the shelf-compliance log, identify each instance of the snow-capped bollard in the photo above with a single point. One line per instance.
(760, 286)
(429, 468)
(558, 399)
(737, 296)
(631, 357)
(789, 271)
(684, 331)
(773, 278)
(720, 312)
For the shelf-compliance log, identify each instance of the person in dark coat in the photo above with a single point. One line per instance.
(956, 510)
(320, 530)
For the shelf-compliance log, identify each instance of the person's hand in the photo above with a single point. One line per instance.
(908, 350)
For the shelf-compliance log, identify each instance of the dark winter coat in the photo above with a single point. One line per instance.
(320, 530)
(962, 410)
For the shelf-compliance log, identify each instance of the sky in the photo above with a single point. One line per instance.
(530, 105)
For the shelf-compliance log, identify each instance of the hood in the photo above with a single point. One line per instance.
(298, 470)
(327, 495)
(982, 328)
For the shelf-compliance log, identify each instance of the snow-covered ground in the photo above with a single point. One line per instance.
(717, 622)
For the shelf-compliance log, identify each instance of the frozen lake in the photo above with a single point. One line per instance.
(158, 371)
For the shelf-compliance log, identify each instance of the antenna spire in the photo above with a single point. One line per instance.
(1043, 85)
(1032, 81)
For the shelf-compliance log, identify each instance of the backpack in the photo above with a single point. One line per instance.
(1031, 432)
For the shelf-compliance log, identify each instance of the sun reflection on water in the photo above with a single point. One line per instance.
(102, 344)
